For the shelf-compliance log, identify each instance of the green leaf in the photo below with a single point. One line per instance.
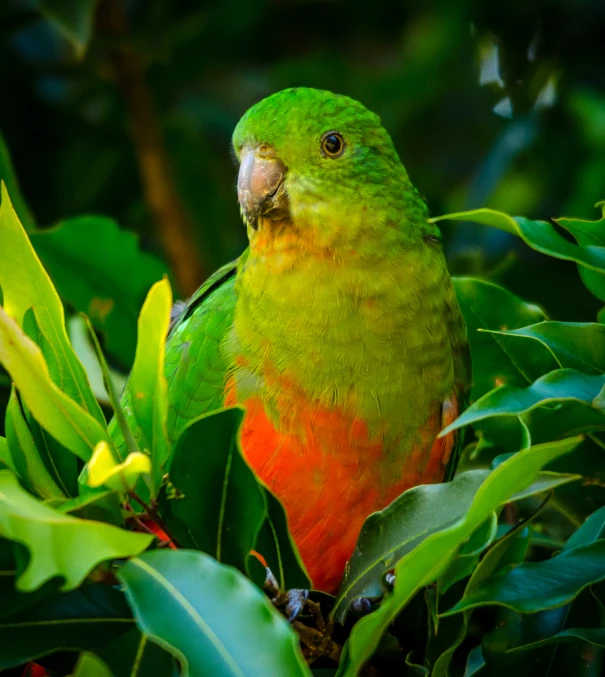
(149, 400)
(63, 418)
(59, 545)
(5, 457)
(588, 233)
(574, 345)
(466, 559)
(133, 654)
(277, 547)
(388, 535)
(27, 463)
(89, 665)
(8, 177)
(427, 561)
(74, 18)
(81, 620)
(558, 386)
(99, 269)
(226, 626)
(544, 238)
(508, 550)
(26, 285)
(222, 507)
(594, 636)
(497, 360)
(535, 586)
(14, 601)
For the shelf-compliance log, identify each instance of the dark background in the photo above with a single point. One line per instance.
(498, 104)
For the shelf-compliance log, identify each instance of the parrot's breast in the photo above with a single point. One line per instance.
(344, 369)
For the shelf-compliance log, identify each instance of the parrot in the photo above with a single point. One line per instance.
(337, 330)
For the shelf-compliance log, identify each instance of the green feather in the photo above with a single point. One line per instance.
(351, 300)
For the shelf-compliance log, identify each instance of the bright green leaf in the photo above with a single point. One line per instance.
(388, 535)
(26, 285)
(495, 360)
(8, 177)
(535, 586)
(89, 259)
(224, 626)
(59, 545)
(65, 420)
(575, 345)
(27, 463)
(149, 401)
(122, 477)
(539, 235)
(426, 562)
(557, 386)
(89, 665)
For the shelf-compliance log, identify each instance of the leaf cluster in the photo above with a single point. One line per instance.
(145, 562)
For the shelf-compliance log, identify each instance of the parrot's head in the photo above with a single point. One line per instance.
(322, 164)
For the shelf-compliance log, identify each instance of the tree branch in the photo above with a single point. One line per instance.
(172, 226)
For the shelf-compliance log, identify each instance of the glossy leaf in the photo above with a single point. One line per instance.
(63, 418)
(133, 654)
(102, 469)
(594, 636)
(588, 233)
(84, 619)
(574, 345)
(59, 545)
(89, 665)
(8, 177)
(25, 457)
(89, 259)
(149, 401)
(26, 285)
(428, 560)
(542, 237)
(390, 534)
(558, 386)
(534, 586)
(277, 547)
(221, 506)
(209, 616)
(495, 360)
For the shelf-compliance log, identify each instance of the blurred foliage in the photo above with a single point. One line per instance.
(495, 105)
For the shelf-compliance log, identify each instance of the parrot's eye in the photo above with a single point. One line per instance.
(332, 145)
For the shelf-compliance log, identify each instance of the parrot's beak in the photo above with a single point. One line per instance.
(260, 185)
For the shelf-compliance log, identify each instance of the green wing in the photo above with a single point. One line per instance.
(194, 366)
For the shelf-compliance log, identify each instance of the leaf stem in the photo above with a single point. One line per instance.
(154, 516)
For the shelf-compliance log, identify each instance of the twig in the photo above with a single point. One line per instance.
(172, 225)
(154, 516)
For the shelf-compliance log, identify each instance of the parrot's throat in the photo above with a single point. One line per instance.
(361, 336)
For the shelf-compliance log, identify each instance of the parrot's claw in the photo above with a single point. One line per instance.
(361, 606)
(296, 600)
(389, 579)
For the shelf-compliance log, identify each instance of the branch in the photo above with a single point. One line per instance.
(172, 226)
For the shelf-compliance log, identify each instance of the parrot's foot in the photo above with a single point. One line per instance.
(294, 600)
(361, 606)
(389, 579)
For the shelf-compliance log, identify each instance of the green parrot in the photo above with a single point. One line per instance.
(337, 329)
